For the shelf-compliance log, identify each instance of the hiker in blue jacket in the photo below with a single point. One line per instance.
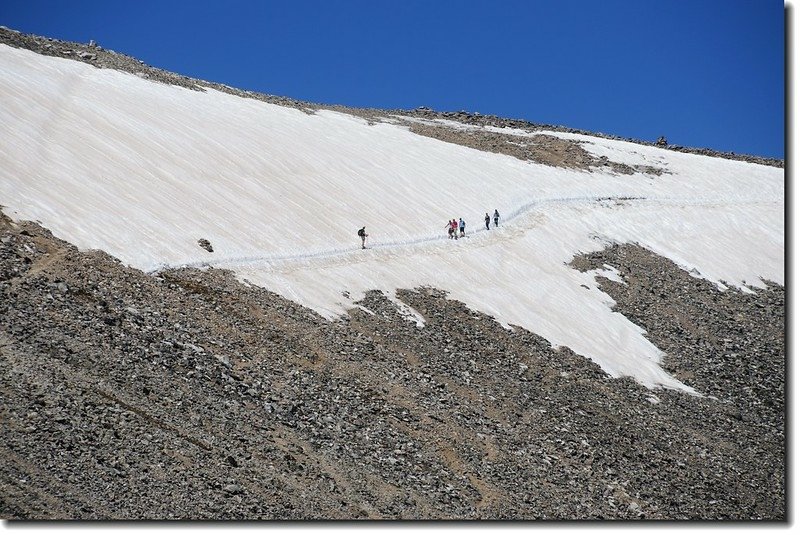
(461, 226)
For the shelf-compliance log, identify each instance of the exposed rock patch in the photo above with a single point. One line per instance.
(543, 148)
(478, 119)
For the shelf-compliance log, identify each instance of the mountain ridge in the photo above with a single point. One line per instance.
(96, 55)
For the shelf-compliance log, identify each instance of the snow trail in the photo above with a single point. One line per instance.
(506, 223)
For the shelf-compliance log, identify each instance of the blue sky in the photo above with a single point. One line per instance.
(703, 73)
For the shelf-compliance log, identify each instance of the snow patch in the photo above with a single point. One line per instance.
(609, 272)
(407, 311)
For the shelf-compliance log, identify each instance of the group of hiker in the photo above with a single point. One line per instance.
(455, 229)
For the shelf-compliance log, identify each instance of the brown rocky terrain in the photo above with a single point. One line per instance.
(543, 148)
(190, 395)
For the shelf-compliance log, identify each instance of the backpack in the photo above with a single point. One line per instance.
(360, 232)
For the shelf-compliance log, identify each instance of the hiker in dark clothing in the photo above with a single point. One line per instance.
(363, 234)
(487, 220)
(496, 217)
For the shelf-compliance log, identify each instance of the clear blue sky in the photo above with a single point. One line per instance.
(704, 73)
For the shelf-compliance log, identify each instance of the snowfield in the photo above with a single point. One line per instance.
(142, 170)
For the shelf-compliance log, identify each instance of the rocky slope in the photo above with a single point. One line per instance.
(190, 395)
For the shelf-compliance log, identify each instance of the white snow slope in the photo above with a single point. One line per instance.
(142, 170)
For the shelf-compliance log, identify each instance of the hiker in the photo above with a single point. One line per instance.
(362, 232)
(496, 217)
(449, 227)
(454, 227)
(461, 226)
(487, 219)
(662, 141)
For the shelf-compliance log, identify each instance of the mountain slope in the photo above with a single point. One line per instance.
(613, 349)
(143, 170)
